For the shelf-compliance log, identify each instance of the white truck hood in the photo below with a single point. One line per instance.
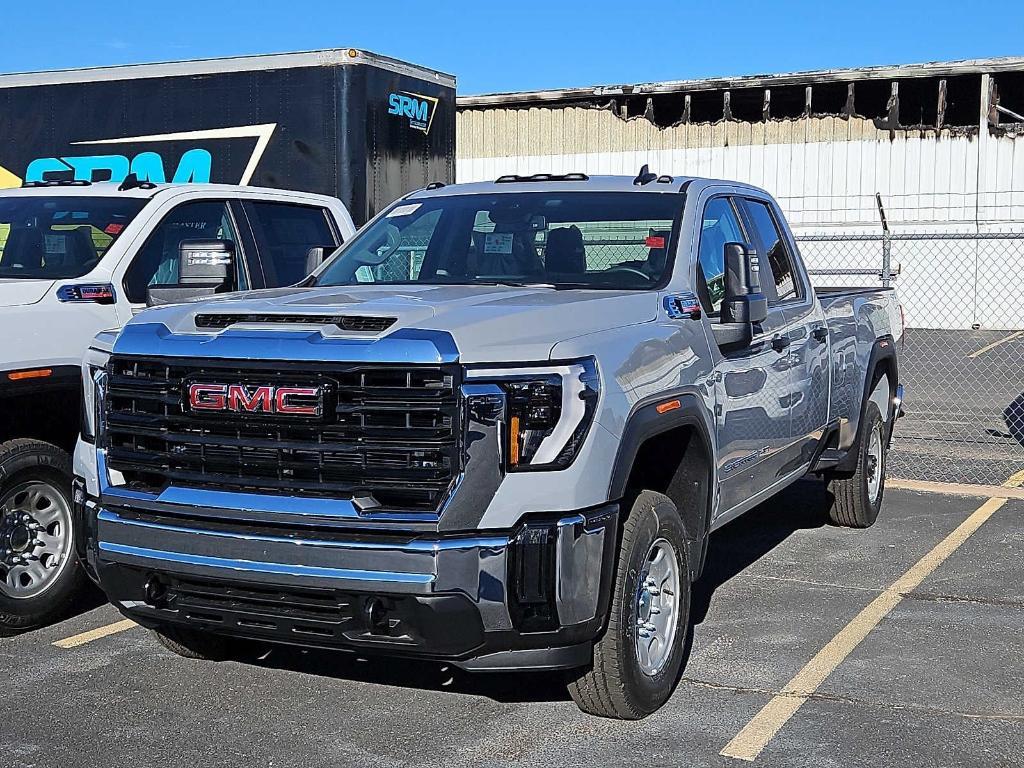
(18, 291)
(488, 323)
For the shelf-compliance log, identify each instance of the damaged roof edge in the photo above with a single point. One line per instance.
(928, 69)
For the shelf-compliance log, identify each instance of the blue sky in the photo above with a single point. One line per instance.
(523, 44)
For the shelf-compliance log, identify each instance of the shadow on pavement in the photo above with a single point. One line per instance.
(422, 675)
(743, 542)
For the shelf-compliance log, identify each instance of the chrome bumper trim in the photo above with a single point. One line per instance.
(251, 566)
(415, 545)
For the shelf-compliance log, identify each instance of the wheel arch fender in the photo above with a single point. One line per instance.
(644, 424)
(880, 390)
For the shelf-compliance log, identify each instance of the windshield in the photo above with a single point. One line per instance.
(611, 240)
(59, 237)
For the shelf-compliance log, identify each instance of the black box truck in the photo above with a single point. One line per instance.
(342, 122)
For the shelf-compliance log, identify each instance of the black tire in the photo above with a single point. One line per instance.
(205, 646)
(24, 460)
(852, 504)
(615, 685)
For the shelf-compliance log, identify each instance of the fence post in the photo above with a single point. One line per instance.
(886, 244)
(886, 259)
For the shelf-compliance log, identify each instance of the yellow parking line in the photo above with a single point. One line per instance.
(756, 734)
(1015, 480)
(95, 634)
(994, 344)
(1008, 490)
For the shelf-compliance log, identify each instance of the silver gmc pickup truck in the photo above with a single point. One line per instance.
(496, 428)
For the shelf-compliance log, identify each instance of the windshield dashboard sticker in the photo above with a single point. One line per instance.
(498, 242)
(403, 210)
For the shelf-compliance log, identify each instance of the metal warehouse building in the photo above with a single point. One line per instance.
(942, 143)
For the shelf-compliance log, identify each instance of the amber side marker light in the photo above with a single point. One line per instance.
(37, 373)
(513, 457)
(668, 405)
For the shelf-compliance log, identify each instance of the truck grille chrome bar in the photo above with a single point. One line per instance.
(386, 437)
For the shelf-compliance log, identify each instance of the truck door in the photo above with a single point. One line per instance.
(807, 353)
(753, 385)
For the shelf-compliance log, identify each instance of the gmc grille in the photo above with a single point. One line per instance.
(389, 437)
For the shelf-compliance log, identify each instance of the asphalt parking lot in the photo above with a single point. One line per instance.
(873, 669)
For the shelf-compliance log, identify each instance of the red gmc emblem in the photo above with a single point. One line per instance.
(238, 398)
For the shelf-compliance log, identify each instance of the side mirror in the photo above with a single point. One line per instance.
(314, 258)
(205, 267)
(743, 305)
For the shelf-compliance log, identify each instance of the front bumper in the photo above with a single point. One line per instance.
(533, 597)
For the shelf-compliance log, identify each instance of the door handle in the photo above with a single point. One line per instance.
(780, 343)
(820, 333)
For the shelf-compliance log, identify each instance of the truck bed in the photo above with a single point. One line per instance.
(856, 317)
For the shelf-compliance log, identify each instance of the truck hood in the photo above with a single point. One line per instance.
(488, 323)
(17, 291)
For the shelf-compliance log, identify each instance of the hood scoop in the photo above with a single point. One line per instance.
(355, 323)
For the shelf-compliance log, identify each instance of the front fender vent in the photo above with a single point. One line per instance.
(355, 323)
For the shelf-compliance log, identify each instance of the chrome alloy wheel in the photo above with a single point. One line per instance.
(656, 607)
(875, 461)
(35, 538)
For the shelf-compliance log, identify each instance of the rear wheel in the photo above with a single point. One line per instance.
(40, 577)
(858, 497)
(638, 659)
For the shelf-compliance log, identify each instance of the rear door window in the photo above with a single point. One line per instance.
(285, 233)
(769, 234)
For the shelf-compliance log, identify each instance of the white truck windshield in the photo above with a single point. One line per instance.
(573, 239)
(60, 236)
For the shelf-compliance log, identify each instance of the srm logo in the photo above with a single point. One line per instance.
(194, 165)
(237, 398)
(418, 108)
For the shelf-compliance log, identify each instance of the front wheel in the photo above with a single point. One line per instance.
(858, 497)
(638, 659)
(40, 577)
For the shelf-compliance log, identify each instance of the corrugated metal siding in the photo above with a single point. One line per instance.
(823, 170)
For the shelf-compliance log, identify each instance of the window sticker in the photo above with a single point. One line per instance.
(54, 244)
(498, 242)
(404, 210)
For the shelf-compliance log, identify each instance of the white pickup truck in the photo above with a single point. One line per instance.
(79, 258)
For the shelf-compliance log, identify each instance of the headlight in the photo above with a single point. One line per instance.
(93, 383)
(549, 410)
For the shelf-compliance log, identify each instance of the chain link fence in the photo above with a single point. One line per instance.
(962, 361)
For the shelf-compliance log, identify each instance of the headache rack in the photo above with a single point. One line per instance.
(388, 436)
